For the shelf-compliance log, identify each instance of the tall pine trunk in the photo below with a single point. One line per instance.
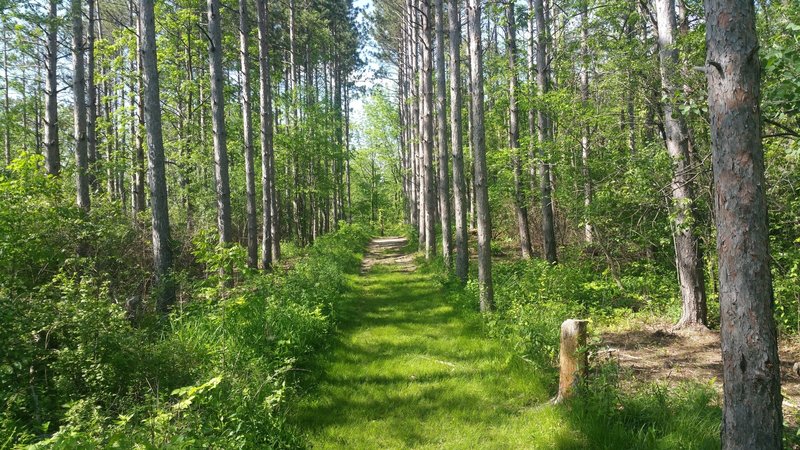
(162, 253)
(441, 122)
(247, 131)
(459, 183)
(426, 75)
(91, 100)
(265, 111)
(478, 138)
(6, 105)
(52, 154)
(751, 416)
(216, 73)
(79, 93)
(545, 134)
(513, 134)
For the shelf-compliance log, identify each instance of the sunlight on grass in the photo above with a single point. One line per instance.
(411, 371)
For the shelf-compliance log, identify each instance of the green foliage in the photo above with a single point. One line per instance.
(533, 298)
(41, 230)
(376, 171)
(77, 372)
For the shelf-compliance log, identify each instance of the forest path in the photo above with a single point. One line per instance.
(408, 370)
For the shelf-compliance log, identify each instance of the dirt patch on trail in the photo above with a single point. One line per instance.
(658, 353)
(388, 251)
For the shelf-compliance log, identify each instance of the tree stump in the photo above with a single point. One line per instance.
(572, 359)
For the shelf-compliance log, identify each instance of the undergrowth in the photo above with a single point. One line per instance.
(86, 364)
(533, 298)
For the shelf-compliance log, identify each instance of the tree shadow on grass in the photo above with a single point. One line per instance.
(407, 369)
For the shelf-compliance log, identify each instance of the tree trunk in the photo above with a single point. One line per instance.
(79, 93)
(532, 116)
(138, 124)
(422, 193)
(247, 129)
(459, 185)
(52, 155)
(413, 44)
(478, 137)
(426, 75)
(687, 258)
(265, 102)
(513, 134)
(6, 106)
(347, 153)
(751, 370)
(37, 108)
(216, 73)
(441, 121)
(91, 99)
(187, 169)
(109, 135)
(545, 134)
(162, 253)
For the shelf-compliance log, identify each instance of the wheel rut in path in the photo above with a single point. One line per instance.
(407, 369)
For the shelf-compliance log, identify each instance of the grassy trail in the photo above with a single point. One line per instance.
(408, 370)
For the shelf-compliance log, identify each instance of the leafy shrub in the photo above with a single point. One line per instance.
(77, 373)
(533, 297)
(41, 229)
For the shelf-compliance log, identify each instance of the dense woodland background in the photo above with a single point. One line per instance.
(177, 229)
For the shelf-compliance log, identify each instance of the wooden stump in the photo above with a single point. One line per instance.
(572, 359)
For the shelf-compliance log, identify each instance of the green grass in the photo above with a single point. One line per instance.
(408, 369)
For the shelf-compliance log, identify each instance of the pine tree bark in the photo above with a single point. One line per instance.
(247, 131)
(91, 99)
(53, 154)
(162, 252)
(420, 143)
(79, 93)
(347, 153)
(441, 121)
(532, 116)
(413, 44)
(216, 73)
(6, 105)
(265, 102)
(478, 138)
(513, 134)
(138, 124)
(426, 75)
(38, 118)
(459, 184)
(751, 416)
(687, 256)
(545, 134)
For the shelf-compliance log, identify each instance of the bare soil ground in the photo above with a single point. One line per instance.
(655, 352)
(388, 251)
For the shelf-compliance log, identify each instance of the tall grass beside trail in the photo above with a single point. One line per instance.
(533, 298)
(77, 372)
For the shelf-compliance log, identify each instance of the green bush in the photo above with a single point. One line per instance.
(533, 297)
(76, 372)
